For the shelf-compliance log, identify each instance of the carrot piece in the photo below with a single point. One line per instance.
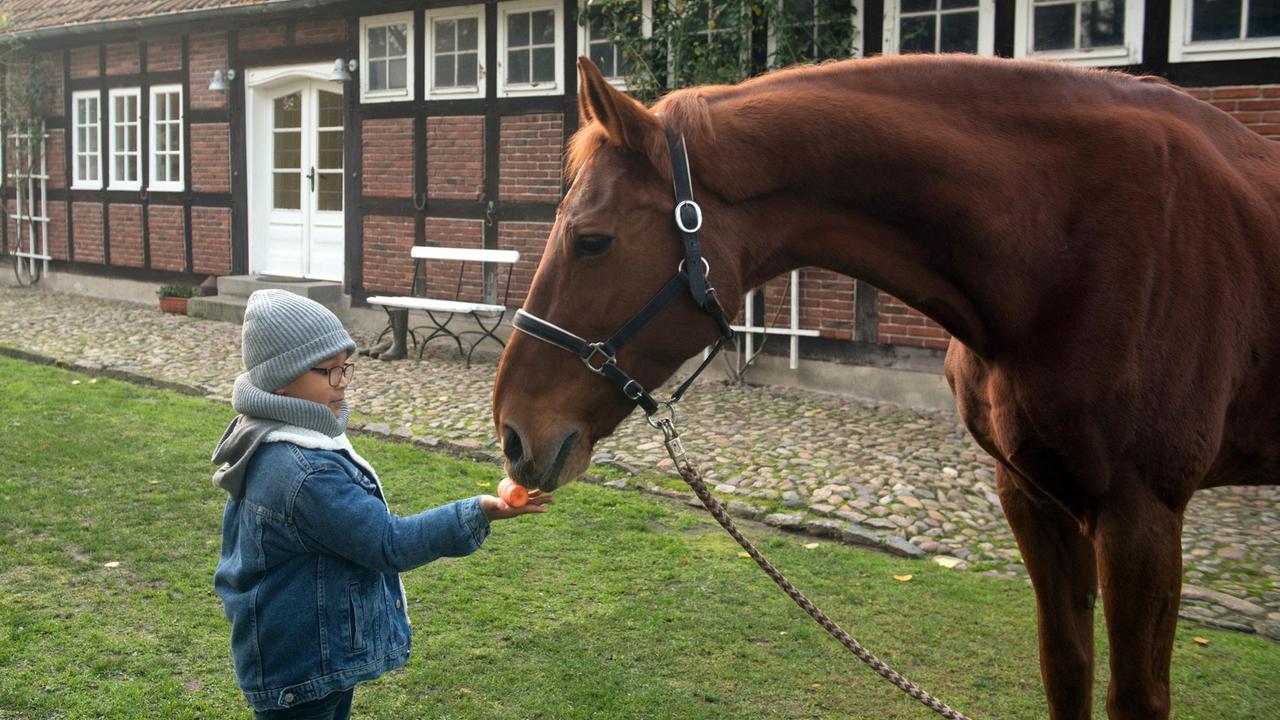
(512, 494)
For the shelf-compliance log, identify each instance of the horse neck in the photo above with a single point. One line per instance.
(892, 183)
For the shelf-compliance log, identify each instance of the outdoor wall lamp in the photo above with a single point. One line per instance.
(340, 70)
(219, 84)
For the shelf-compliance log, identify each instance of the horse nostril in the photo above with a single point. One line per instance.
(511, 445)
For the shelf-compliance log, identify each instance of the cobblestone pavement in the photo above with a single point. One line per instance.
(909, 482)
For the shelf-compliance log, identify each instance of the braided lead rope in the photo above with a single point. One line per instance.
(676, 450)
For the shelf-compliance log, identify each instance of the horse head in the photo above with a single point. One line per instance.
(614, 244)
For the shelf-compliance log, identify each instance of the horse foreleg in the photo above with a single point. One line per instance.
(1140, 567)
(1061, 563)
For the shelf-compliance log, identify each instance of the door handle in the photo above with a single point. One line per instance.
(311, 178)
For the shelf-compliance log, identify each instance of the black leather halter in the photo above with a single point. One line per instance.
(692, 273)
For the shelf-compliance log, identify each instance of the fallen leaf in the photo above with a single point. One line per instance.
(782, 632)
(93, 381)
(75, 382)
(902, 578)
(112, 564)
(744, 554)
(153, 482)
(815, 686)
(1201, 641)
(812, 546)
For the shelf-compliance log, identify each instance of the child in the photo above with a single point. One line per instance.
(310, 553)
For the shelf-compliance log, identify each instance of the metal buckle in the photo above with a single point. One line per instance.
(697, 212)
(632, 395)
(598, 349)
(706, 269)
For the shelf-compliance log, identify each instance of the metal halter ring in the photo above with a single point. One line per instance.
(697, 212)
(706, 269)
(655, 421)
(598, 349)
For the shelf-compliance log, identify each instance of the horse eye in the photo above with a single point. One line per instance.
(589, 245)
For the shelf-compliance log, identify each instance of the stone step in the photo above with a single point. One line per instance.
(325, 292)
(228, 308)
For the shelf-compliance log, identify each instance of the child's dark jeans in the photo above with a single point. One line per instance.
(334, 706)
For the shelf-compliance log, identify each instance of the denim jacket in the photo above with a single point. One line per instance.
(310, 559)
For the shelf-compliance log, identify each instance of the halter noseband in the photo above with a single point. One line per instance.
(692, 273)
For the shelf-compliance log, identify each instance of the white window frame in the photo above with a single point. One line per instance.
(116, 183)
(1182, 49)
(646, 30)
(986, 26)
(460, 12)
(152, 151)
(555, 87)
(376, 21)
(78, 182)
(1130, 53)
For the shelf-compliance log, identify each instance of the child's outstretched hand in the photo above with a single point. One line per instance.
(512, 501)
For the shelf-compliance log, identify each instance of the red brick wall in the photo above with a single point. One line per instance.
(211, 157)
(319, 32)
(122, 59)
(388, 158)
(126, 234)
(442, 277)
(530, 239)
(57, 166)
(84, 62)
(826, 303)
(211, 240)
(1257, 106)
(57, 230)
(167, 238)
(387, 265)
(455, 157)
(260, 37)
(207, 53)
(53, 77)
(529, 158)
(901, 325)
(87, 223)
(165, 54)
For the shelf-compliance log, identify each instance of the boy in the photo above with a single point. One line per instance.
(310, 552)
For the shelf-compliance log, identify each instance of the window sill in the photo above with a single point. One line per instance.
(550, 88)
(1224, 50)
(1095, 58)
(383, 96)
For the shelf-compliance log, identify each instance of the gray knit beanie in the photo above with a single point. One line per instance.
(286, 334)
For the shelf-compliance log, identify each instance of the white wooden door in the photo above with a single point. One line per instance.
(304, 229)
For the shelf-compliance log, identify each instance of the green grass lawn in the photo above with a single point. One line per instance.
(613, 605)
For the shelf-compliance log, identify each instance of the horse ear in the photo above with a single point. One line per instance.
(626, 122)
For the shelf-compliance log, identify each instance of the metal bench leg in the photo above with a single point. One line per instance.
(441, 330)
(485, 332)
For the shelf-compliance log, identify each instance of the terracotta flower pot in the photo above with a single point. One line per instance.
(173, 305)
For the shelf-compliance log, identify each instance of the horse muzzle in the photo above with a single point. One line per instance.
(543, 465)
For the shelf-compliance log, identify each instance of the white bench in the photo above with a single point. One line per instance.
(487, 316)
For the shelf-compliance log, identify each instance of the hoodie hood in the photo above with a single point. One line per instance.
(236, 449)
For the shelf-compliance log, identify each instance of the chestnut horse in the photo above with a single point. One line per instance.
(1104, 250)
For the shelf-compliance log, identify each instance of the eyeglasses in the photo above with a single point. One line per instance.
(337, 373)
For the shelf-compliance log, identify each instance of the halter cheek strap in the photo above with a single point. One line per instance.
(601, 357)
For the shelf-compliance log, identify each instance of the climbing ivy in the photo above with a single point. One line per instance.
(694, 42)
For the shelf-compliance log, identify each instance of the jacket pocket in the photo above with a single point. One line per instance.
(357, 617)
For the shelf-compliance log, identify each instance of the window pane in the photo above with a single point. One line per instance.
(518, 66)
(544, 27)
(378, 75)
(288, 151)
(92, 144)
(468, 32)
(445, 40)
(82, 112)
(377, 42)
(912, 6)
(175, 173)
(918, 34)
(1215, 19)
(287, 191)
(174, 102)
(328, 191)
(1264, 18)
(959, 33)
(954, 4)
(467, 69)
(330, 150)
(1102, 23)
(288, 111)
(330, 109)
(120, 168)
(544, 64)
(121, 143)
(518, 30)
(82, 167)
(444, 71)
(161, 138)
(93, 111)
(396, 77)
(601, 53)
(395, 41)
(1055, 27)
(801, 9)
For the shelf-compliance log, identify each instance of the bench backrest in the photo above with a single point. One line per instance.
(421, 253)
(428, 252)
